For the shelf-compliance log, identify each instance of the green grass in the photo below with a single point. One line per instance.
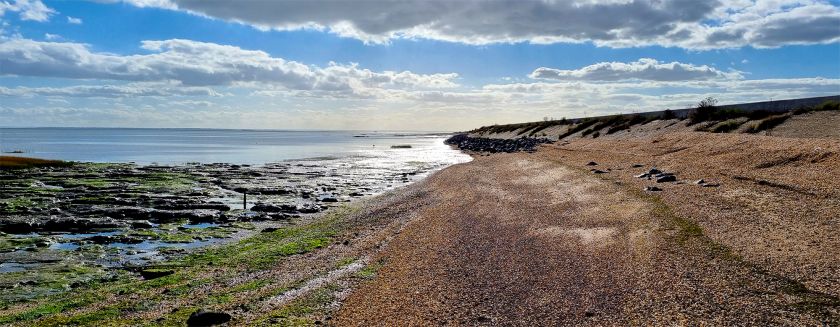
(369, 271)
(302, 311)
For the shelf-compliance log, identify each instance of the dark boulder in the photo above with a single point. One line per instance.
(207, 318)
(666, 178)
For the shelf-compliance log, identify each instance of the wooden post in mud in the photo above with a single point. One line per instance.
(244, 200)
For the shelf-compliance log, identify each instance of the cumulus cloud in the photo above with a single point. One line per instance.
(643, 69)
(616, 23)
(74, 20)
(34, 10)
(194, 63)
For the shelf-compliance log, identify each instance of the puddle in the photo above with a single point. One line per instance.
(200, 225)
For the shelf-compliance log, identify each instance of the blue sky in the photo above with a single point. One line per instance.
(413, 66)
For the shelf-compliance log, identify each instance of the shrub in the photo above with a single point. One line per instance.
(668, 114)
(706, 108)
(580, 126)
(596, 134)
(635, 119)
(727, 126)
(825, 106)
(767, 123)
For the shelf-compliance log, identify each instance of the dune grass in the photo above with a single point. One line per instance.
(767, 123)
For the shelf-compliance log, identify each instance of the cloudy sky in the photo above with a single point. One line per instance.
(401, 65)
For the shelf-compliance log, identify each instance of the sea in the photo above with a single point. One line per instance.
(176, 146)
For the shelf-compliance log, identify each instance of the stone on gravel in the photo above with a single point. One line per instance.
(207, 318)
(592, 163)
(666, 178)
(654, 171)
(652, 189)
(637, 166)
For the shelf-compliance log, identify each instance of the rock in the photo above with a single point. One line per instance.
(269, 229)
(654, 171)
(666, 178)
(652, 189)
(142, 224)
(263, 207)
(711, 185)
(155, 273)
(598, 171)
(18, 227)
(592, 163)
(645, 175)
(478, 144)
(207, 318)
(637, 166)
(328, 199)
(309, 208)
(700, 182)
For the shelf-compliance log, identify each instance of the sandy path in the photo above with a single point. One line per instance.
(521, 239)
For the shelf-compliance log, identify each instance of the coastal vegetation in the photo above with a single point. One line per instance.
(232, 273)
(706, 116)
(13, 162)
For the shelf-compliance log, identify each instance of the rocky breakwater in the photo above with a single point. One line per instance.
(477, 144)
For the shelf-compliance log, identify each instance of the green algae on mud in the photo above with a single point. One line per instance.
(123, 300)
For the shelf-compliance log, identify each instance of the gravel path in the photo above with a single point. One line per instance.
(524, 239)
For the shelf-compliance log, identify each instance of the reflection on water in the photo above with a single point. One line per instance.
(179, 146)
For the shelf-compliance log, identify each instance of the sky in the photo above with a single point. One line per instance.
(401, 65)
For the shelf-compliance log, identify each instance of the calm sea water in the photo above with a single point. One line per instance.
(178, 146)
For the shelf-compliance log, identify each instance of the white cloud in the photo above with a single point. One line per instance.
(643, 69)
(226, 86)
(200, 64)
(74, 20)
(52, 37)
(34, 10)
(110, 91)
(616, 23)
